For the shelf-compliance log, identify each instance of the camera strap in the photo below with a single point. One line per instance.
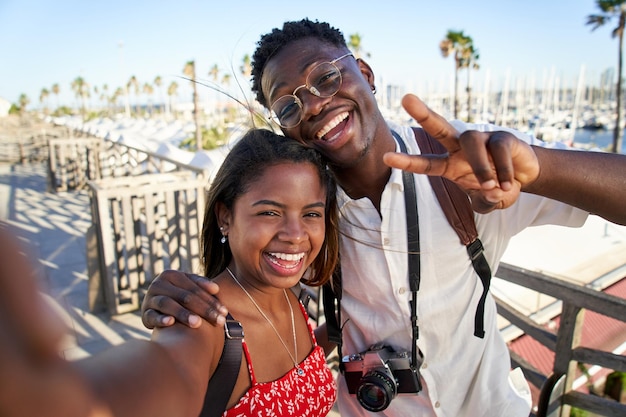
(413, 245)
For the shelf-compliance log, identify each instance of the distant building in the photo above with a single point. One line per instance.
(393, 96)
(5, 105)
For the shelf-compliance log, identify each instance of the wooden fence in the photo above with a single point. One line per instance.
(557, 394)
(27, 144)
(146, 215)
(72, 162)
(140, 227)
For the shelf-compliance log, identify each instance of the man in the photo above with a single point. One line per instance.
(322, 96)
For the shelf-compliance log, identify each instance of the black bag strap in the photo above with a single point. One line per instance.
(413, 246)
(223, 380)
(458, 210)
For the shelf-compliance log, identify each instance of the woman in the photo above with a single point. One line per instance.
(270, 222)
(270, 217)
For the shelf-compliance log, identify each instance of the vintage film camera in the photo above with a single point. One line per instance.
(377, 375)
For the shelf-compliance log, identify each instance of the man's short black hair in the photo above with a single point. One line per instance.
(272, 42)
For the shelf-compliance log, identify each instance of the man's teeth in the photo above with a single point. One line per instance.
(336, 120)
(290, 257)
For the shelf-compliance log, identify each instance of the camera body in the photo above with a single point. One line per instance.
(377, 375)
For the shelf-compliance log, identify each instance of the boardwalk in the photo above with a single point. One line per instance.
(53, 227)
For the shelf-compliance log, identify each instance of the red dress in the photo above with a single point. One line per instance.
(312, 394)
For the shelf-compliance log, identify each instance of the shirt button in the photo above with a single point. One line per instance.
(386, 241)
(402, 290)
(424, 365)
(437, 405)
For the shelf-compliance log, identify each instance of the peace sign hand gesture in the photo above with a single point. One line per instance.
(492, 167)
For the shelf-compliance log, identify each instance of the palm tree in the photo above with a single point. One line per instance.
(246, 66)
(81, 90)
(96, 92)
(214, 73)
(56, 90)
(172, 90)
(148, 90)
(104, 97)
(470, 61)
(225, 82)
(23, 102)
(613, 9)
(355, 46)
(43, 96)
(461, 46)
(158, 82)
(246, 71)
(119, 92)
(190, 72)
(133, 82)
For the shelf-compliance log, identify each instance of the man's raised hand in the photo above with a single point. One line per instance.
(492, 167)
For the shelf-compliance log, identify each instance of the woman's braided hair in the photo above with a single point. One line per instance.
(271, 43)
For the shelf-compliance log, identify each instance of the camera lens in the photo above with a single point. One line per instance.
(376, 391)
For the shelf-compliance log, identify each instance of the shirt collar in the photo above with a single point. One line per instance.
(395, 182)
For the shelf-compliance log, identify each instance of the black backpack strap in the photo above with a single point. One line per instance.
(223, 380)
(458, 210)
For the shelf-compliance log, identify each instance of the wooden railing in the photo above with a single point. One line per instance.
(140, 227)
(557, 393)
(146, 211)
(29, 144)
(72, 162)
(119, 160)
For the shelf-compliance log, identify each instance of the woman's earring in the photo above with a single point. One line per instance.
(224, 236)
(373, 89)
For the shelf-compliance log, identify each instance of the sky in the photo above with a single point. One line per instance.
(107, 42)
